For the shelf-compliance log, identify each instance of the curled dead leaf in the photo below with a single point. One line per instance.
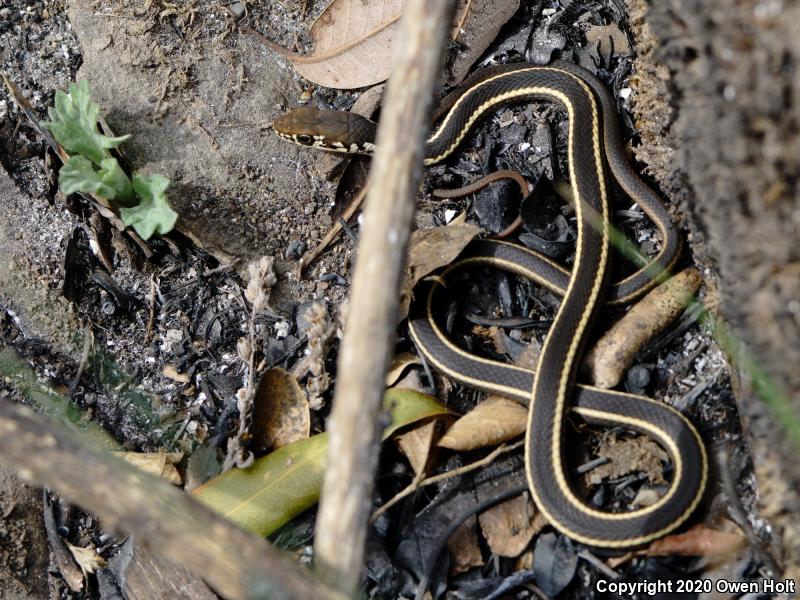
(161, 463)
(430, 249)
(280, 411)
(465, 549)
(87, 558)
(416, 444)
(510, 526)
(400, 363)
(698, 541)
(493, 421)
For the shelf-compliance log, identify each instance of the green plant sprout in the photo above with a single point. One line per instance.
(92, 169)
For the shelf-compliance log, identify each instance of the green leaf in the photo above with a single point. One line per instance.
(153, 214)
(73, 122)
(114, 177)
(286, 482)
(79, 175)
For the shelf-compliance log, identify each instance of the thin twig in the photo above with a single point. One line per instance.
(88, 342)
(369, 333)
(151, 319)
(421, 483)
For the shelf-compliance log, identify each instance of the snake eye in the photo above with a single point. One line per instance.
(304, 139)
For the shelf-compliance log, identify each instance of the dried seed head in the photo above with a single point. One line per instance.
(244, 349)
(262, 277)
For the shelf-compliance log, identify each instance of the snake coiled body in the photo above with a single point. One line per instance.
(551, 391)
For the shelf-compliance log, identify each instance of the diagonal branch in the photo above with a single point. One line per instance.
(236, 564)
(369, 334)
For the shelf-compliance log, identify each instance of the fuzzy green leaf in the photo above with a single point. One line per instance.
(286, 482)
(73, 122)
(79, 175)
(153, 214)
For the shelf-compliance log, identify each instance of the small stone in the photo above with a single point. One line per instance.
(238, 9)
(638, 379)
(295, 250)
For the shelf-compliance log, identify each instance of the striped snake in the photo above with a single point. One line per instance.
(594, 147)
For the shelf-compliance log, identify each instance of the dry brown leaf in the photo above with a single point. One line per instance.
(369, 101)
(697, 541)
(280, 411)
(459, 219)
(353, 44)
(493, 421)
(480, 22)
(412, 381)
(353, 39)
(627, 455)
(700, 540)
(416, 444)
(161, 463)
(465, 549)
(430, 249)
(510, 526)
(87, 558)
(524, 561)
(399, 364)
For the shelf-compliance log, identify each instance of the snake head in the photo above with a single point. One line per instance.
(331, 130)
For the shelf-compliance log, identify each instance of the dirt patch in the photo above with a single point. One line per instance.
(24, 552)
(198, 98)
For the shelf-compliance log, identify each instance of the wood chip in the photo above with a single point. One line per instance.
(614, 352)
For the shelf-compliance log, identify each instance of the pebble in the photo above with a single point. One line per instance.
(638, 379)
(238, 9)
(295, 250)
(333, 278)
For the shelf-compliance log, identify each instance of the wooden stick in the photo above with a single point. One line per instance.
(237, 565)
(372, 313)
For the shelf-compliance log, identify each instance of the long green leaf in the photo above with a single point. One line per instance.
(286, 482)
